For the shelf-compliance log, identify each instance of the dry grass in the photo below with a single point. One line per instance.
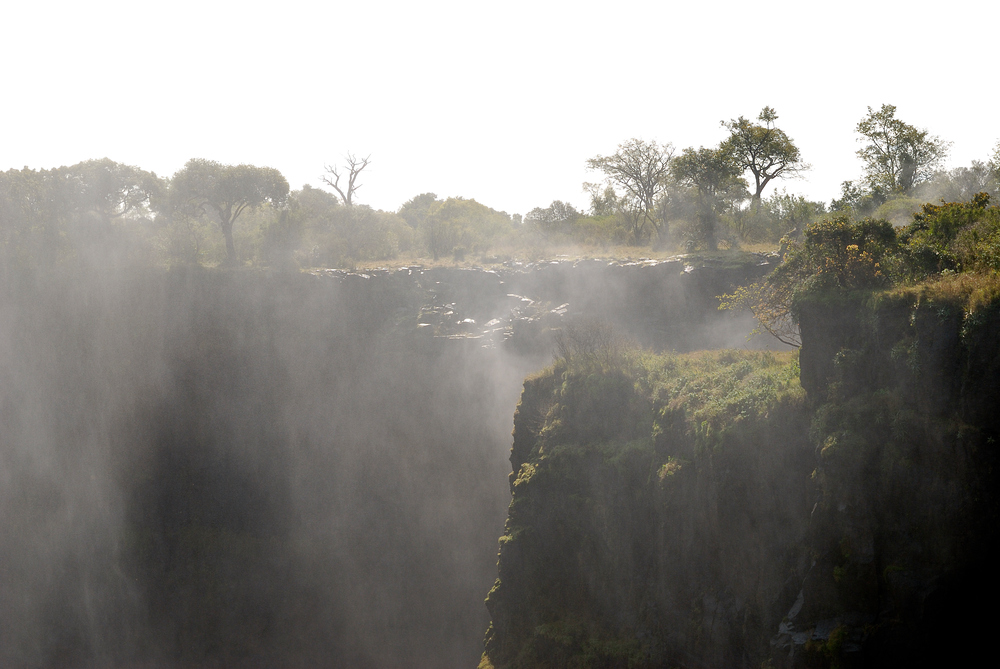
(970, 290)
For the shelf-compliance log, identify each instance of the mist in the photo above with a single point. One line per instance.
(235, 468)
(203, 468)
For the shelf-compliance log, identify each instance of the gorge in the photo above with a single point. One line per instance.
(229, 468)
(212, 468)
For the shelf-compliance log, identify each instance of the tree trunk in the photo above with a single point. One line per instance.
(227, 232)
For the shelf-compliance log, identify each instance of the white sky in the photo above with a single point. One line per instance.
(501, 102)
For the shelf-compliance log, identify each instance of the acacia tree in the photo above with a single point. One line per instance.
(640, 170)
(714, 176)
(354, 167)
(112, 190)
(763, 150)
(897, 156)
(224, 192)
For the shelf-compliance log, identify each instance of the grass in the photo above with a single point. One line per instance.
(695, 395)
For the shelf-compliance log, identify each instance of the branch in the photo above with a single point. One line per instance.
(332, 169)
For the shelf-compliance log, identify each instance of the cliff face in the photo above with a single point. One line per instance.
(905, 429)
(641, 523)
(698, 512)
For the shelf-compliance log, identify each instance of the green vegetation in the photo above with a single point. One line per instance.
(613, 446)
(206, 189)
(897, 156)
(765, 151)
(635, 476)
(651, 201)
(839, 254)
(712, 180)
(637, 174)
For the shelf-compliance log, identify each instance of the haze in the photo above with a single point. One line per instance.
(503, 104)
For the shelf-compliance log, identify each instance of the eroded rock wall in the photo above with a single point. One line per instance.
(853, 529)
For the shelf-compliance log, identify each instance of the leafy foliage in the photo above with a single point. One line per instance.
(958, 236)
(765, 151)
(835, 254)
(557, 217)
(841, 255)
(53, 216)
(457, 225)
(610, 460)
(770, 303)
(205, 188)
(94, 209)
(960, 184)
(896, 155)
(776, 216)
(713, 175)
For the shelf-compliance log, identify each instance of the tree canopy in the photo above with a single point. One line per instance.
(558, 215)
(47, 216)
(896, 155)
(457, 225)
(763, 150)
(103, 211)
(714, 176)
(640, 170)
(224, 192)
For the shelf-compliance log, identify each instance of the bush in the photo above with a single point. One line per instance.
(835, 254)
(960, 236)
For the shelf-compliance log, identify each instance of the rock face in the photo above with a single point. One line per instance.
(664, 305)
(640, 527)
(905, 428)
(852, 528)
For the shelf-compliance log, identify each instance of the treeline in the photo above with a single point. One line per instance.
(943, 241)
(649, 194)
(699, 198)
(214, 214)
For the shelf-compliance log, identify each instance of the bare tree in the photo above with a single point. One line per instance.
(640, 170)
(354, 167)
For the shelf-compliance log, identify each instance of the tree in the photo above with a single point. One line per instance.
(457, 225)
(640, 170)
(558, 216)
(47, 216)
(960, 184)
(897, 156)
(414, 211)
(354, 167)
(603, 199)
(112, 190)
(224, 192)
(779, 215)
(763, 150)
(714, 176)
